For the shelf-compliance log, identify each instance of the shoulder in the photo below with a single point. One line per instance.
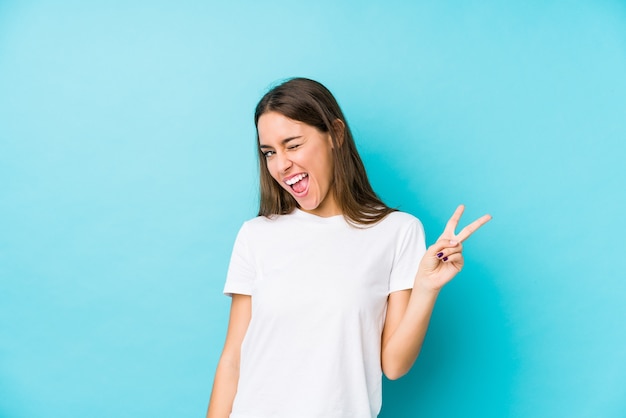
(402, 217)
(397, 226)
(401, 220)
(256, 222)
(263, 221)
(261, 224)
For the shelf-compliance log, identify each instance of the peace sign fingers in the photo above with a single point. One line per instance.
(445, 256)
(466, 232)
(473, 227)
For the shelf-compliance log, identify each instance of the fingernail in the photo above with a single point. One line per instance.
(453, 242)
(439, 255)
(445, 259)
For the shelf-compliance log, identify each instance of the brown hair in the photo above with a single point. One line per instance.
(308, 101)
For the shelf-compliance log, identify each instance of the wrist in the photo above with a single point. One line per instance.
(423, 289)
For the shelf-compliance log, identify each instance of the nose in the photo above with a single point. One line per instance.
(283, 163)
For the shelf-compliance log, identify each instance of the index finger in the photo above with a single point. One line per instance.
(453, 222)
(473, 227)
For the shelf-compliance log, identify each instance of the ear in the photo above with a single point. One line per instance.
(339, 131)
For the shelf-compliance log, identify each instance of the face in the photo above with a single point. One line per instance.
(299, 158)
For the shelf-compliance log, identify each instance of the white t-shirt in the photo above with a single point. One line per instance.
(319, 291)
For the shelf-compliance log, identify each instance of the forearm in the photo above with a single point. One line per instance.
(227, 373)
(224, 389)
(400, 350)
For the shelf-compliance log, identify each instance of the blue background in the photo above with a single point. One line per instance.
(127, 165)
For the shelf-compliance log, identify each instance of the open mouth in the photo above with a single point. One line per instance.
(298, 183)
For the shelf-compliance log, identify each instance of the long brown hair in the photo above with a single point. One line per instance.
(308, 101)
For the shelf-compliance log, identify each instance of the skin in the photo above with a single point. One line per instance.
(409, 311)
(227, 372)
(293, 148)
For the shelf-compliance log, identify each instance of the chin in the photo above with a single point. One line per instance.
(308, 206)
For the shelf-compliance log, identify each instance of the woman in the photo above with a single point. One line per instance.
(330, 287)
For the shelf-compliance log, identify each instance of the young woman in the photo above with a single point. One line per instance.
(330, 287)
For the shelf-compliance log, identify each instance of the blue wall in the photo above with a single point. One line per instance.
(127, 164)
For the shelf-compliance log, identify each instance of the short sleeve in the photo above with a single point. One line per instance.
(241, 271)
(410, 249)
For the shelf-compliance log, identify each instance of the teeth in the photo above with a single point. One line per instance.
(295, 179)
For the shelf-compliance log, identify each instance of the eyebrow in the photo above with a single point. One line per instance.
(283, 142)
